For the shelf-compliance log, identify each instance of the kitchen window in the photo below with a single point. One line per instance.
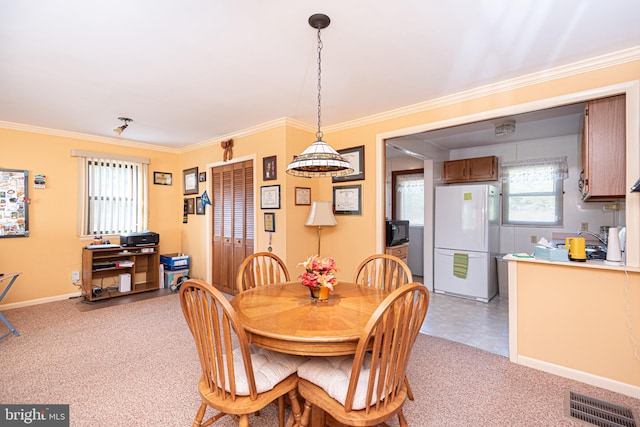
(409, 196)
(532, 192)
(113, 194)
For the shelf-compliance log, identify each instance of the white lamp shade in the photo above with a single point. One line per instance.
(319, 160)
(321, 215)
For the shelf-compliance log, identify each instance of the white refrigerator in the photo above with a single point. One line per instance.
(466, 240)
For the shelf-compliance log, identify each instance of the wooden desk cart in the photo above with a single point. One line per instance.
(399, 251)
(102, 269)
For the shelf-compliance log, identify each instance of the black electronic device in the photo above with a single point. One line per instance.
(101, 265)
(397, 232)
(636, 187)
(144, 238)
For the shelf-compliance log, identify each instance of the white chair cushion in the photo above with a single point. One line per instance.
(332, 375)
(269, 368)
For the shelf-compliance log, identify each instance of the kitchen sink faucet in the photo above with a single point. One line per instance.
(603, 241)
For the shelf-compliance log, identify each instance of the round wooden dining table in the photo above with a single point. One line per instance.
(284, 318)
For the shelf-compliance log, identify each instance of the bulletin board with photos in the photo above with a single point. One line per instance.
(14, 206)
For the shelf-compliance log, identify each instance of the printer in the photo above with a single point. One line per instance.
(143, 238)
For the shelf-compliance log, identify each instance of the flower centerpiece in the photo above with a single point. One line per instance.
(319, 276)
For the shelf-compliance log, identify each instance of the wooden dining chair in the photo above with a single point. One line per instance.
(260, 269)
(235, 381)
(386, 272)
(369, 388)
(383, 271)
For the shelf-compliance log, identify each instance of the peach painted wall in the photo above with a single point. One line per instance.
(354, 238)
(291, 240)
(53, 249)
(302, 241)
(576, 317)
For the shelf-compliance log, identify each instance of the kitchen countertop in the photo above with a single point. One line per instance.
(587, 264)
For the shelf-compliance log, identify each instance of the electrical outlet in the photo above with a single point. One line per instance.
(584, 226)
(611, 207)
(534, 239)
(75, 276)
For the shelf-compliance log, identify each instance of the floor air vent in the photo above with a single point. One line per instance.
(599, 413)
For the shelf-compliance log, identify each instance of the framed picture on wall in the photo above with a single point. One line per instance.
(162, 178)
(269, 171)
(347, 200)
(191, 206)
(303, 196)
(199, 206)
(270, 222)
(14, 203)
(190, 181)
(355, 156)
(270, 197)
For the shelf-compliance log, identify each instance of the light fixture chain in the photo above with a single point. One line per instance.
(319, 159)
(319, 133)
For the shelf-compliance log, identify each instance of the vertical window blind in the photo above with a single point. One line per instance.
(113, 194)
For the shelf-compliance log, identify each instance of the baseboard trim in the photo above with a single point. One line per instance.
(573, 374)
(39, 301)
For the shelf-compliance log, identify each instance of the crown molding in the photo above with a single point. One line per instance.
(580, 67)
(273, 124)
(87, 137)
(283, 121)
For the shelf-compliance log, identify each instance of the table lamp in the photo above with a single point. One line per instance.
(321, 215)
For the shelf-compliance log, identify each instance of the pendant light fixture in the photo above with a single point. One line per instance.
(319, 159)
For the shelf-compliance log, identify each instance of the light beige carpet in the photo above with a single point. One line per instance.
(86, 305)
(136, 365)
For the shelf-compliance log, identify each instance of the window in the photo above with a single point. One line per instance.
(112, 193)
(532, 192)
(409, 200)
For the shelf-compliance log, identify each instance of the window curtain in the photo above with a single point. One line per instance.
(413, 183)
(535, 170)
(409, 200)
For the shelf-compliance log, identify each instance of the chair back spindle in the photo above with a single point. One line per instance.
(389, 337)
(261, 269)
(377, 387)
(228, 382)
(383, 271)
(215, 328)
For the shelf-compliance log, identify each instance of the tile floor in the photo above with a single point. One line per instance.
(475, 323)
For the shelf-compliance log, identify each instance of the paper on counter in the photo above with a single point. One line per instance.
(543, 243)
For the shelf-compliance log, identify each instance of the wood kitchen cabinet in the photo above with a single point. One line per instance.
(603, 150)
(471, 170)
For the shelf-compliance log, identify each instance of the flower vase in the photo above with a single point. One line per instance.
(320, 293)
